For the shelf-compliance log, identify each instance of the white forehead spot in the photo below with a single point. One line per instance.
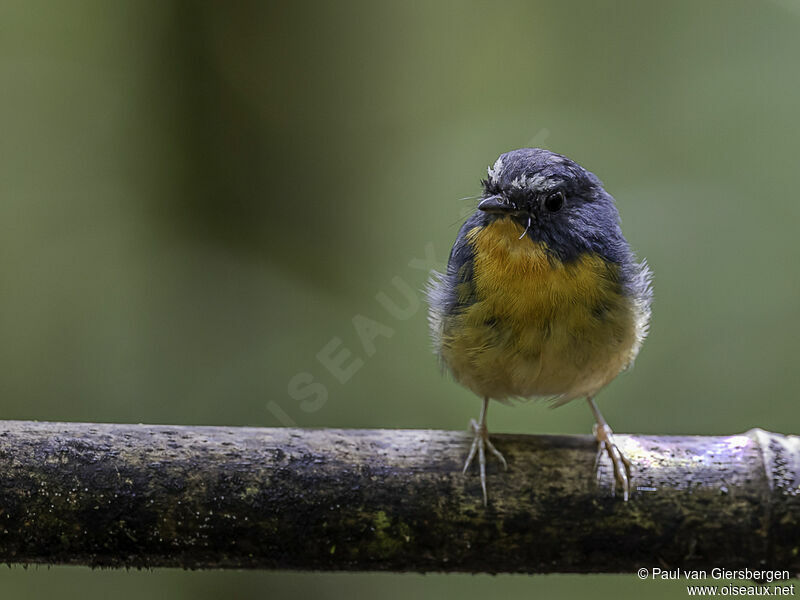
(531, 183)
(494, 172)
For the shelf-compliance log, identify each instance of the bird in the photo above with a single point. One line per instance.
(542, 296)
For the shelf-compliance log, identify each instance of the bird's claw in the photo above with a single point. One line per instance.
(620, 463)
(479, 444)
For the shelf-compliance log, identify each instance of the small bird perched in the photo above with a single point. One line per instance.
(542, 297)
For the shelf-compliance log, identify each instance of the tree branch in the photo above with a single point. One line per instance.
(225, 497)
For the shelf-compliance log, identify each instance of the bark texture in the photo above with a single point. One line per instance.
(225, 497)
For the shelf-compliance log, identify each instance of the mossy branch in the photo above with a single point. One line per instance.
(225, 497)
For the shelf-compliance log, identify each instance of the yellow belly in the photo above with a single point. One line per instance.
(539, 327)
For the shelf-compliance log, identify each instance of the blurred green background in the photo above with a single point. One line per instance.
(196, 198)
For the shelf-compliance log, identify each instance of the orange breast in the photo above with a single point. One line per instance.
(539, 327)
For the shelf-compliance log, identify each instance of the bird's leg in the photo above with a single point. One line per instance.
(479, 444)
(605, 443)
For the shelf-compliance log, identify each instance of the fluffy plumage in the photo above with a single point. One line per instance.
(557, 312)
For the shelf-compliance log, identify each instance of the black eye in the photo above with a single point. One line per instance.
(554, 201)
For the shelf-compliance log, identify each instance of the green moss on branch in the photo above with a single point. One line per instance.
(215, 497)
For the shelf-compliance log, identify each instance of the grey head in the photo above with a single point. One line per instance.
(557, 201)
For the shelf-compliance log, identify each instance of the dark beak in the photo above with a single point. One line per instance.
(496, 204)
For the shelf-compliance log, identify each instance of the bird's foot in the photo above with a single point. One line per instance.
(479, 444)
(622, 466)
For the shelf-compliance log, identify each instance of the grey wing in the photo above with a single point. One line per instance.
(442, 290)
